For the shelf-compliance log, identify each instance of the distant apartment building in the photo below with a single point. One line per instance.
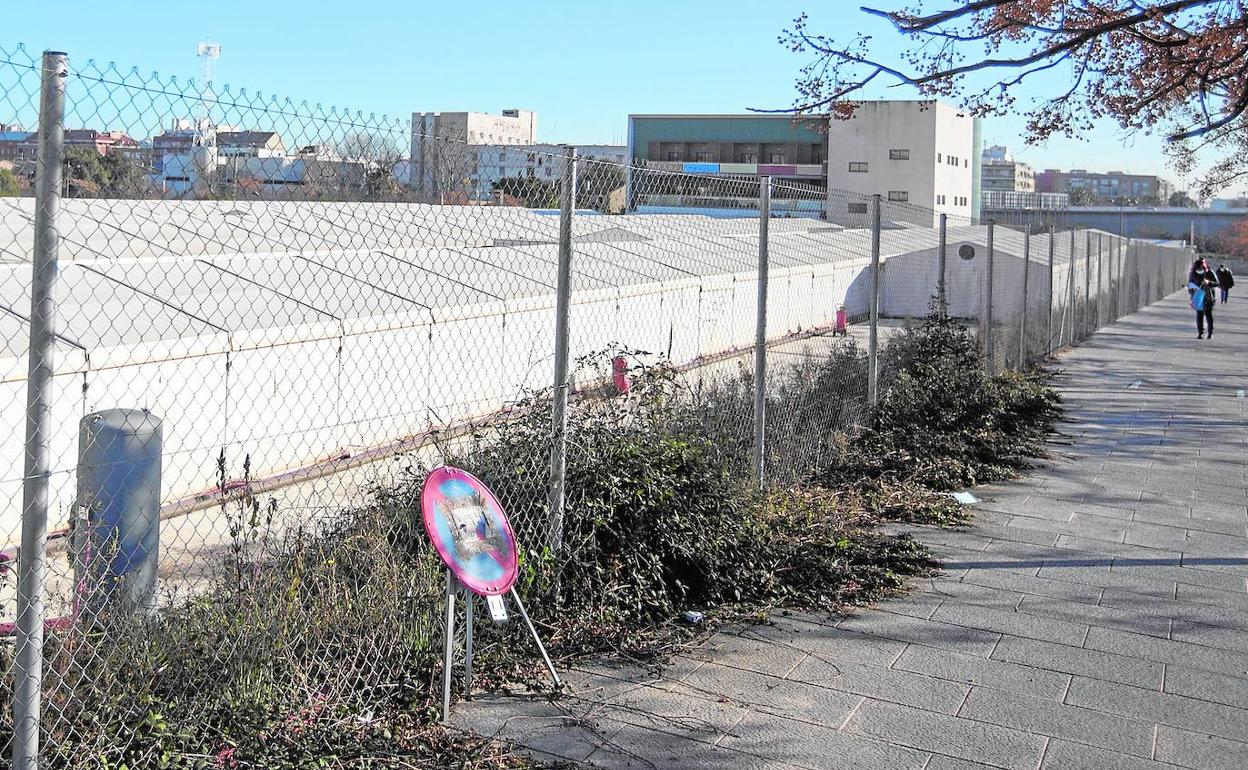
(12, 141)
(920, 153)
(442, 158)
(267, 177)
(25, 145)
(250, 144)
(181, 137)
(1228, 204)
(1105, 187)
(494, 163)
(1002, 173)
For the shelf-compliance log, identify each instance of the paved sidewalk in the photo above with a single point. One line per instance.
(1096, 615)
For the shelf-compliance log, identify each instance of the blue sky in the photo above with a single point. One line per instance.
(582, 66)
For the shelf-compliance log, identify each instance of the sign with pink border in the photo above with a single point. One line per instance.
(470, 531)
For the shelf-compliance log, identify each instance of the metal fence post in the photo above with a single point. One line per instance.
(1100, 279)
(563, 308)
(1069, 312)
(1120, 272)
(988, 352)
(1022, 326)
(760, 333)
(28, 668)
(1048, 331)
(1087, 284)
(873, 308)
(942, 255)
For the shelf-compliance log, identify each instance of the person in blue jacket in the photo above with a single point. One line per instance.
(1201, 283)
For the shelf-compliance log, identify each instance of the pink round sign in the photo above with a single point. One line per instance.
(469, 530)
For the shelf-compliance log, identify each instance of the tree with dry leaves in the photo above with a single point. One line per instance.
(1234, 240)
(1178, 67)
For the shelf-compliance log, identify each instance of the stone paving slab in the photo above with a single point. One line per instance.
(1095, 616)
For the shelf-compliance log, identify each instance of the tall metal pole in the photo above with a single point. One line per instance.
(942, 257)
(873, 308)
(1048, 330)
(989, 353)
(28, 668)
(563, 305)
(1070, 285)
(1087, 284)
(760, 333)
(1100, 279)
(1022, 327)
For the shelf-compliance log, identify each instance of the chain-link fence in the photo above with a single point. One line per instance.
(231, 324)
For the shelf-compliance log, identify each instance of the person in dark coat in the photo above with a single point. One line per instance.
(1201, 283)
(1226, 279)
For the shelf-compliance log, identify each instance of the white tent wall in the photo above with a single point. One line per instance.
(67, 408)
(284, 398)
(293, 361)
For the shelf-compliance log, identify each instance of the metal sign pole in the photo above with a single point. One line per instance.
(541, 647)
(468, 617)
(450, 640)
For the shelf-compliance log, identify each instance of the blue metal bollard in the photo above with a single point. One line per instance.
(119, 466)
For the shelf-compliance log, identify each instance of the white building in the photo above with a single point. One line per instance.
(264, 177)
(921, 153)
(493, 163)
(1003, 174)
(442, 162)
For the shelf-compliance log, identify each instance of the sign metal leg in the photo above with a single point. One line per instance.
(541, 647)
(450, 640)
(468, 613)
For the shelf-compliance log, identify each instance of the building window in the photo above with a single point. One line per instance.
(702, 157)
(938, 158)
(748, 157)
(857, 167)
(857, 208)
(966, 163)
(673, 155)
(777, 157)
(898, 196)
(816, 153)
(899, 155)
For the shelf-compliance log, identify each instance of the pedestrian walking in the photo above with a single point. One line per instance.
(1201, 282)
(1226, 279)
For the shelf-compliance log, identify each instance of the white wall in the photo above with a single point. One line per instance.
(923, 128)
(495, 162)
(341, 390)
